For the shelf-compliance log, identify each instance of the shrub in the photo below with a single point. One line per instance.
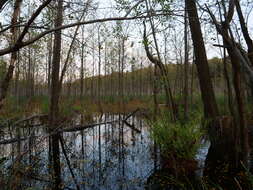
(177, 139)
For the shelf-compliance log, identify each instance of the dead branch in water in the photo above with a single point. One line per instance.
(71, 129)
(131, 114)
(128, 124)
(132, 127)
(30, 118)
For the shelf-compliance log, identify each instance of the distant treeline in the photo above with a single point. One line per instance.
(137, 82)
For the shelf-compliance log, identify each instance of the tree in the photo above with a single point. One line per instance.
(9, 73)
(55, 95)
(240, 62)
(245, 31)
(207, 92)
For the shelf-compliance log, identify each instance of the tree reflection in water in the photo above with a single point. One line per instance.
(108, 156)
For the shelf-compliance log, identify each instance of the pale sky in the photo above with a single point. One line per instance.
(104, 10)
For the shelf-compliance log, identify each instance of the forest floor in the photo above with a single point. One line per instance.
(68, 107)
(17, 108)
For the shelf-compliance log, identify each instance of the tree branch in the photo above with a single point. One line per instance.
(30, 21)
(18, 46)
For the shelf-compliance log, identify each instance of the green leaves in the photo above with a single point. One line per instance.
(179, 140)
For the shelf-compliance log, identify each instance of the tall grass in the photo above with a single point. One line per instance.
(182, 140)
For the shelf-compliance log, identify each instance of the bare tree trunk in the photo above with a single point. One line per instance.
(49, 63)
(236, 157)
(82, 68)
(122, 71)
(93, 69)
(186, 66)
(55, 94)
(207, 92)
(99, 72)
(16, 91)
(9, 74)
(155, 90)
(163, 71)
(240, 117)
(245, 31)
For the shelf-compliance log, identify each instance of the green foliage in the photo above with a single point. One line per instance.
(13, 107)
(45, 105)
(177, 139)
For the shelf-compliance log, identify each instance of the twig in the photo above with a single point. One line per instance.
(131, 114)
(128, 124)
(17, 46)
(132, 127)
(219, 45)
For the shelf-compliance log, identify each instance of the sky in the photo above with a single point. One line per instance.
(105, 10)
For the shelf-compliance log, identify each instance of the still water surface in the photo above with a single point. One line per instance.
(106, 157)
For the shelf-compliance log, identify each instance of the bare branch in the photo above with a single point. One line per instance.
(30, 21)
(231, 10)
(20, 45)
(133, 7)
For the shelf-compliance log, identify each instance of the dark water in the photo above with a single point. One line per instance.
(109, 156)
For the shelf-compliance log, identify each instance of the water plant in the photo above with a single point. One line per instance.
(177, 139)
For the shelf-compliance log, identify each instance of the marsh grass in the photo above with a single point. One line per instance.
(181, 140)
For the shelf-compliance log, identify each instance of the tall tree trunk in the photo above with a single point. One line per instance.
(55, 94)
(207, 92)
(240, 118)
(245, 31)
(163, 71)
(9, 74)
(99, 72)
(49, 67)
(82, 71)
(235, 134)
(186, 67)
(17, 74)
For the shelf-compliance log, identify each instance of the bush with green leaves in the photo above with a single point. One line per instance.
(180, 140)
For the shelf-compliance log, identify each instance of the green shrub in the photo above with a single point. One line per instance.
(177, 139)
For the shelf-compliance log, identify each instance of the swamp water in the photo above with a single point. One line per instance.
(109, 156)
